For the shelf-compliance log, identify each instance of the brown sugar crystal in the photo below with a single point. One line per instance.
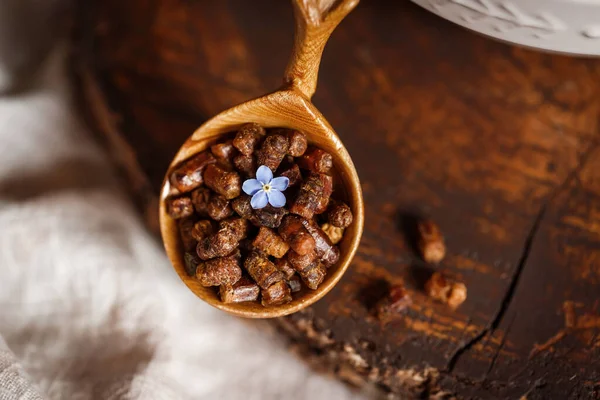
(223, 152)
(262, 270)
(243, 290)
(292, 230)
(180, 207)
(248, 137)
(339, 215)
(189, 175)
(431, 242)
(446, 290)
(326, 251)
(270, 243)
(316, 160)
(219, 271)
(226, 183)
(272, 151)
(277, 294)
(219, 208)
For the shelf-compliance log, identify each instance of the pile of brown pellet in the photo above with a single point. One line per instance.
(268, 252)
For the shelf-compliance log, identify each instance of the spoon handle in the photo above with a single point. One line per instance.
(315, 21)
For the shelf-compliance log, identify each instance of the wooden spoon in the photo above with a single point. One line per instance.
(289, 107)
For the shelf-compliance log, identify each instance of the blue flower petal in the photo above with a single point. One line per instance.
(251, 186)
(276, 198)
(259, 200)
(264, 174)
(280, 183)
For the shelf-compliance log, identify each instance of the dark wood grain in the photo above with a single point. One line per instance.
(498, 144)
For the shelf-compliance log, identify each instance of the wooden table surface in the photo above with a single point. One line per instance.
(498, 144)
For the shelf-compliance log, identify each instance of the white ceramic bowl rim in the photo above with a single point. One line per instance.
(565, 26)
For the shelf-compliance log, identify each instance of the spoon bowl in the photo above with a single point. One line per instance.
(291, 108)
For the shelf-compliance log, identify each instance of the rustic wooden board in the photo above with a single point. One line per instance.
(499, 145)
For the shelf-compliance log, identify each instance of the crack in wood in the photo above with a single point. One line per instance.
(500, 346)
(508, 296)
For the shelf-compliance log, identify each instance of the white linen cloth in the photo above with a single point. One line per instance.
(89, 305)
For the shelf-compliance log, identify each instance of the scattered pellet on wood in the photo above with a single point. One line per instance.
(395, 303)
(243, 290)
(180, 207)
(276, 294)
(189, 175)
(446, 290)
(431, 242)
(458, 294)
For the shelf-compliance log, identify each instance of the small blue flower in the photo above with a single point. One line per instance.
(266, 189)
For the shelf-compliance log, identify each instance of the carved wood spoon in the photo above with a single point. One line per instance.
(289, 107)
